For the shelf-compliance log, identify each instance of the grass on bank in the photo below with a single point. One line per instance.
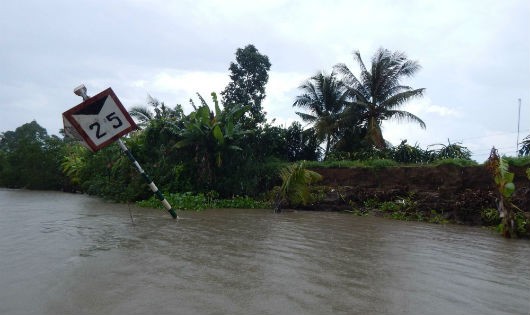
(523, 161)
(383, 163)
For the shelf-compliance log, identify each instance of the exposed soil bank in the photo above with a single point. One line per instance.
(459, 192)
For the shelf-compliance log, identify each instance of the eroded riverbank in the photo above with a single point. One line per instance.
(460, 194)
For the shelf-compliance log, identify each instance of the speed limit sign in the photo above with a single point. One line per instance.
(98, 121)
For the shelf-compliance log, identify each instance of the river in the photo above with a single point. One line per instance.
(74, 254)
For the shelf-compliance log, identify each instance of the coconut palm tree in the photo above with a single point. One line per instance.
(325, 97)
(379, 92)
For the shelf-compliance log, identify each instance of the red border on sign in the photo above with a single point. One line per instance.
(108, 92)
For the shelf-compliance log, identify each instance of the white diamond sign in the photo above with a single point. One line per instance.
(98, 121)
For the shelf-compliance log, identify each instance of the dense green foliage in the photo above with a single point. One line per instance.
(522, 161)
(403, 154)
(30, 158)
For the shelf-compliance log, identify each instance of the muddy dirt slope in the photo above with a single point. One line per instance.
(461, 192)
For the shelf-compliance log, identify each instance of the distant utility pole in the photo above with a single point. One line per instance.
(518, 125)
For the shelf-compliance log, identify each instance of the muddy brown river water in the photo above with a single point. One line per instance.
(73, 254)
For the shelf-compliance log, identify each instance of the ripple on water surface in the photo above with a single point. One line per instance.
(65, 253)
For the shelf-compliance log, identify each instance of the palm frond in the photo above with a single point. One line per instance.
(409, 68)
(400, 115)
(307, 117)
(295, 183)
(400, 98)
(142, 114)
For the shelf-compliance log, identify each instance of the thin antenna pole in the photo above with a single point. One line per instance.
(518, 125)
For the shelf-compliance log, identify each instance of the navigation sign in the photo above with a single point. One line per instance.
(98, 121)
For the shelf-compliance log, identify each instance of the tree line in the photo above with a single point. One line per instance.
(225, 144)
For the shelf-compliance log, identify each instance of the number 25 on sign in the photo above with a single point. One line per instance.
(98, 121)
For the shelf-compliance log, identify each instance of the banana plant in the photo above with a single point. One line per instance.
(211, 132)
(505, 186)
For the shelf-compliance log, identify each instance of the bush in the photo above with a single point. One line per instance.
(522, 224)
(490, 217)
(390, 206)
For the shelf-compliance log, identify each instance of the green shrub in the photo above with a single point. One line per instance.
(371, 203)
(522, 224)
(394, 210)
(490, 217)
(390, 206)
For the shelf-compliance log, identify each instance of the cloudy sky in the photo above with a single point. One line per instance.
(475, 57)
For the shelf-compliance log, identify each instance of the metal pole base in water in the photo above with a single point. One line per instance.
(151, 184)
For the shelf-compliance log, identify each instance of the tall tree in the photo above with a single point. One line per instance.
(325, 97)
(379, 93)
(249, 75)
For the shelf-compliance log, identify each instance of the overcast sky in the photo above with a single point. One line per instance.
(475, 57)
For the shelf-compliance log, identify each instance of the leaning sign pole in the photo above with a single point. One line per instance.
(101, 120)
